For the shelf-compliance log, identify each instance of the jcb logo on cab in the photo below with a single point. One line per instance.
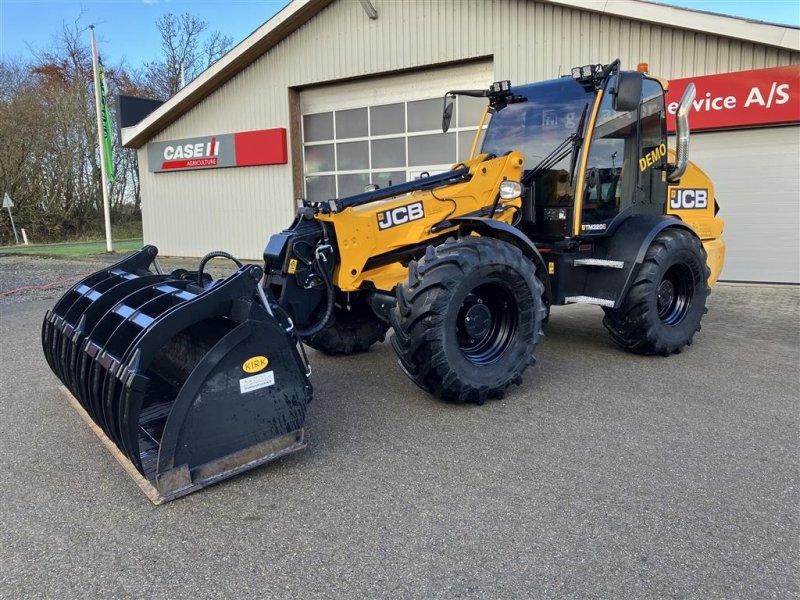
(682, 199)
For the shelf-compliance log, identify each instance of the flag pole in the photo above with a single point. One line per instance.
(100, 144)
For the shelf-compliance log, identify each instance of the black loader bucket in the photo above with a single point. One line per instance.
(190, 380)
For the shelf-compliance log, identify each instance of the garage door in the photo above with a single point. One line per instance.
(387, 130)
(756, 175)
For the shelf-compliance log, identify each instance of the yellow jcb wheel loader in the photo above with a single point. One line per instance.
(571, 196)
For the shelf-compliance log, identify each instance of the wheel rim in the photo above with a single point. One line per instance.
(674, 294)
(486, 323)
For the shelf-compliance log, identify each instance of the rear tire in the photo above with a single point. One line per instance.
(468, 319)
(349, 331)
(667, 299)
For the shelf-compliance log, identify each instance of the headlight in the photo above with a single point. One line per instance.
(510, 190)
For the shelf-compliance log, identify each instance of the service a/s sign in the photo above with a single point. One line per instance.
(740, 99)
(242, 149)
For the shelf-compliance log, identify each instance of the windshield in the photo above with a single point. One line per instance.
(536, 127)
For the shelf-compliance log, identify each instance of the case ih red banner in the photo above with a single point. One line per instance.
(243, 149)
(742, 99)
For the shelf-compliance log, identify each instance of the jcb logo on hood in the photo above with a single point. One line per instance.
(400, 215)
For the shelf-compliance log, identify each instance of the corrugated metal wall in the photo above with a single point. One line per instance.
(189, 213)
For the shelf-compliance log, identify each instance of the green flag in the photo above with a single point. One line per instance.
(108, 132)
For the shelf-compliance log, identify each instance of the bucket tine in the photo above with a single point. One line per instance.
(73, 320)
(79, 365)
(89, 318)
(113, 334)
(58, 318)
(164, 297)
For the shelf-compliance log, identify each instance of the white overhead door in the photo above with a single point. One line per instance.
(756, 175)
(387, 130)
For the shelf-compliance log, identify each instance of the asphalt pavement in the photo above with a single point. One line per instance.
(605, 475)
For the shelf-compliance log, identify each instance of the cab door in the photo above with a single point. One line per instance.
(626, 166)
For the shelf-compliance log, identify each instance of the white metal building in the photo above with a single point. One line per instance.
(357, 86)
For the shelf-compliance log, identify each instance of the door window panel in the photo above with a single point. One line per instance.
(387, 119)
(387, 178)
(465, 139)
(390, 152)
(470, 111)
(352, 156)
(319, 158)
(351, 123)
(436, 149)
(352, 184)
(425, 115)
(317, 128)
(320, 188)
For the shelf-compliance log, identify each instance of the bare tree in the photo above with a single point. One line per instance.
(50, 157)
(184, 44)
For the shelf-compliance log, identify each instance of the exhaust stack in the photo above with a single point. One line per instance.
(682, 134)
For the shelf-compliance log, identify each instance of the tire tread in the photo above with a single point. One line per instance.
(421, 306)
(634, 326)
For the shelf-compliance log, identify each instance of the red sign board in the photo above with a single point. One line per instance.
(263, 147)
(243, 149)
(741, 99)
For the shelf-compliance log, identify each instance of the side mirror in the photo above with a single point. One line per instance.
(447, 114)
(628, 92)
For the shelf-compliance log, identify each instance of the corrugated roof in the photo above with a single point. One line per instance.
(298, 12)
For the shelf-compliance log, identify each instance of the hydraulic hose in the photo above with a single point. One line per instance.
(210, 256)
(320, 269)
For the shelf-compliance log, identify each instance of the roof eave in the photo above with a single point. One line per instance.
(758, 32)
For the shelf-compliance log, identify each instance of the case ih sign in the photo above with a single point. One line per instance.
(243, 149)
(742, 99)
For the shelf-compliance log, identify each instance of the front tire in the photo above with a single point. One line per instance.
(667, 300)
(468, 319)
(349, 331)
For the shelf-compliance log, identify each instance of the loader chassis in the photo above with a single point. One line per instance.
(594, 198)
(572, 197)
(595, 210)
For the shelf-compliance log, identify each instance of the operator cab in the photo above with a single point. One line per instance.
(594, 144)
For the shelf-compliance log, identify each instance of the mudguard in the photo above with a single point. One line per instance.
(629, 243)
(512, 235)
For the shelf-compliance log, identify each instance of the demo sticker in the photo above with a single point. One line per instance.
(255, 364)
(256, 382)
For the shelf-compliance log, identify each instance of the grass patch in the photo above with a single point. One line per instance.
(90, 248)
